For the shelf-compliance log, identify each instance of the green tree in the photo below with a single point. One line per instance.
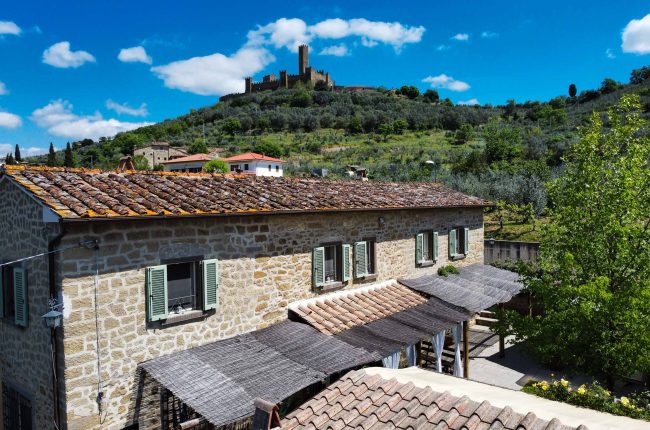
(216, 166)
(17, 154)
(51, 157)
(270, 149)
(573, 90)
(431, 96)
(593, 285)
(140, 162)
(198, 147)
(400, 125)
(354, 126)
(464, 134)
(501, 143)
(301, 99)
(231, 126)
(9, 159)
(608, 85)
(68, 160)
(410, 91)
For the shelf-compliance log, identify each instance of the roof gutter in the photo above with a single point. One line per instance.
(264, 213)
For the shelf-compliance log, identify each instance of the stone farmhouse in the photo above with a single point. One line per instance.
(159, 152)
(149, 300)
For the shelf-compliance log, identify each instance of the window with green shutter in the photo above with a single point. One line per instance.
(466, 241)
(346, 256)
(318, 266)
(435, 246)
(20, 297)
(419, 248)
(452, 243)
(210, 284)
(157, 293)
(360, 259)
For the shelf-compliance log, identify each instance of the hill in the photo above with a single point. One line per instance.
(497, 152)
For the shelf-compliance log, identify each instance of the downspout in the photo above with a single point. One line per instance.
(51, 246)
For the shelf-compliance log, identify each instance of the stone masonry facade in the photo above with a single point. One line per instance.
(265, 263)
(25, 355)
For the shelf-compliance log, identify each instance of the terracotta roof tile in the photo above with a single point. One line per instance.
(368, 402)
(248, 156)
(334, 314)
(86, 193)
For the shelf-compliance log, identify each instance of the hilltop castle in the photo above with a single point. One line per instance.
(306, 74)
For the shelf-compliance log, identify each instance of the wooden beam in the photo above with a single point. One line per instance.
(466, 349)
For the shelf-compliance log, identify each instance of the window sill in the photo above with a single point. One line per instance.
(370, 277)
(458, 257)
(426, 264)
(187, 316)
(330, 286)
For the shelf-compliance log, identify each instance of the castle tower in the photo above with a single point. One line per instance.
(248, 85)
(303, 58)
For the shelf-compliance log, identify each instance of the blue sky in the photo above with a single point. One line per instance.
(70, 70)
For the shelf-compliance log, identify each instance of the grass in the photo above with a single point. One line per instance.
(513, 229)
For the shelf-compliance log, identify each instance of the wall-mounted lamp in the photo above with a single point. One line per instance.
(54, 318)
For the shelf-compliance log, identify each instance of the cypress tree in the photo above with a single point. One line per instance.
(9, 159)
(51, 157)
(68, 161)
(17, 154)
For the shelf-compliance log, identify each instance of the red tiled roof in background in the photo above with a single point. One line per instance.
(248, 156)
(81, 193)
(344, 310)
(188, 159)
(360, 400)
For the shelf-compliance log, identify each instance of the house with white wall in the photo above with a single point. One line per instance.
(256, 164)
(190, 164)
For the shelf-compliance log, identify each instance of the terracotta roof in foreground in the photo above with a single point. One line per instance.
(84, 193)
(362, 400)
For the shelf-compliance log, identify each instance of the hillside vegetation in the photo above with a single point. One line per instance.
(497, 152)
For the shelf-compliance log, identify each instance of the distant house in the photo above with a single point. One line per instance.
(190, 164)
(158, 152)
(257, 164)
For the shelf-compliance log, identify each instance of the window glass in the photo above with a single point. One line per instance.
(17, 410)
(370, 256)
(234, 167)
(460, 240)
(269, 167)
(245, 166)
(277, 168)
(181, 287)
(8, 292)
(331, 263)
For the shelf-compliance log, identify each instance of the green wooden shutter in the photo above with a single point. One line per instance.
(210, 284)
(452, 243)
(361, 259)
(435, 246)
(157, 293)
(2, 292)
(20, 297)
(466, 249)
(419, 247)
(347, 250)
(318, 266)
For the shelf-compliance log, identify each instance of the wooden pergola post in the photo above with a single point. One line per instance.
(466, 349)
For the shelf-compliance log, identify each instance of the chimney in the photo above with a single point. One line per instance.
(266, 415)
(303, 58)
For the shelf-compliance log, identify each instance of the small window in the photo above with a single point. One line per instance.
(182, 287)
(458, 242)
(426, 248)
(269, 167)
(332, 258)
(277, 168)
(17, 409)
(327, 264)
(234, 167)
(245, 166)
(7, 300)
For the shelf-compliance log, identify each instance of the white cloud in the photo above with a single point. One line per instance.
(636, 36)
(443, 47)
(3, 89)
(9, 27)
(137, 54)
(5, 148)
(291, 33)
(610, 54)
(446, 82)
(126, 109)
(10, 120)
(489, 35)
(59, 120)
(60, 55)
(470, 102)
(214, 74)
(336, 50)
(462, 37)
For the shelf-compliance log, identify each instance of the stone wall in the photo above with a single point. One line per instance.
(25, 355)
(264, 264)
(510, 250)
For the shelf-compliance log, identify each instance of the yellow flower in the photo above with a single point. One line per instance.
(543, 385)
(582, 390)
(625, 401)
(564, 382)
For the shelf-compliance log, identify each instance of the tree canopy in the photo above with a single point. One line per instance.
(593, 284)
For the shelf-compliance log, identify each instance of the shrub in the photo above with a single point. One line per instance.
(592, 396)
(446, 270)
(216, 166)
